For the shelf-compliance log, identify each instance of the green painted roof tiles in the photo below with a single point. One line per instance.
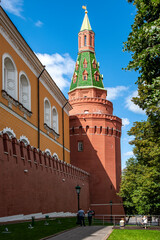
(91, 81)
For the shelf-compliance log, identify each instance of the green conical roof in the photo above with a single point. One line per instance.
(86, 24)
(91, 70)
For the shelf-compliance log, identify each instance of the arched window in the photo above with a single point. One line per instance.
(9, 76)
(85, 40)
(47, 112)
(24, 91)
(25, 140)
(9, 131)
(91, 40)
(55, 119)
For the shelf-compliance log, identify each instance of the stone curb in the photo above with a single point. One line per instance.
(108, 234)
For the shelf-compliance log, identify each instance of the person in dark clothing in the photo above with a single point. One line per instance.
(81, 215)
(90, 214)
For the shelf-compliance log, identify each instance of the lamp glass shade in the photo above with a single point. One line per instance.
(78, 189)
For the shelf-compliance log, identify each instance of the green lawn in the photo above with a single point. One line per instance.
(134, 235)
(21, 231)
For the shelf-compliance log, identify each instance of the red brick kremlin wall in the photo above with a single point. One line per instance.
(32, 182)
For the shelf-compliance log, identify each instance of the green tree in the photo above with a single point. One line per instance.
(144, 44)
(140, 185)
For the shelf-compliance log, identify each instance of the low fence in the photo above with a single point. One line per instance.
(152, 220)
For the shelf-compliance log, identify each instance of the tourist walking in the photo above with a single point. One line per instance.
(81, 215)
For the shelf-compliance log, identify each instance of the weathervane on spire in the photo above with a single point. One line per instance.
(85, 7)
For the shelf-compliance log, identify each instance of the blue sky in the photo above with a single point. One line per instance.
(51, 29)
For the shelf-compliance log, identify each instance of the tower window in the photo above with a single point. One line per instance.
(85, 75)
(85, 40)
(85, 63)
(74, 77)
(91, 40)
(77, 66)
(96, 76)
(94, 64)
(80, 146)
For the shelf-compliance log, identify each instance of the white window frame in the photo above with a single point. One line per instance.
(57, 125)
(6, 55)
(46, 99)
(29, 88)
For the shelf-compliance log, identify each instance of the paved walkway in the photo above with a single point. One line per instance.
(85, 233)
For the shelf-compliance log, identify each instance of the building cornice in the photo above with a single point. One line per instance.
(90, 100)
(96, 115)
(15, 39)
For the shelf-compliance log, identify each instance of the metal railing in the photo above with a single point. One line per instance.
(152, 220)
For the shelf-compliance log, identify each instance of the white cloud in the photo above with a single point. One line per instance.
(60, 67)
(38, 23)
(125, 121)
(128, 154)
(131, 106)
(113, 93)
(13, 6)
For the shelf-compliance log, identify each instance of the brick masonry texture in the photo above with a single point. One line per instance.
(32, 182)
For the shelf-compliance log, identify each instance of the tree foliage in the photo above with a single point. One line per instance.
(140, 185)
(144, 44)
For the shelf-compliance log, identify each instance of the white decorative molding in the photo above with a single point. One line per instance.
(9, 131)
(51, 130)
(11, 101)
(31, 125)
(55, 156)
(48, 151)
(25, 140)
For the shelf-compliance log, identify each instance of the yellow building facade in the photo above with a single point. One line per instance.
(32, 107)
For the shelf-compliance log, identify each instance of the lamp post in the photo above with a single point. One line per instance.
(111, 210)
(78, 189)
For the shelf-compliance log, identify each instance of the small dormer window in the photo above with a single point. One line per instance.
(74, 77)
(85, 75)
(77, 66)
(94, 64)
(85, 63)
(85, 40)
(96, 76)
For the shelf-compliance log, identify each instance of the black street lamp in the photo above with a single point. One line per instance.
(111, 210)
(78, 189)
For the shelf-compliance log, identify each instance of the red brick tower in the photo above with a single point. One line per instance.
(94, 131)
